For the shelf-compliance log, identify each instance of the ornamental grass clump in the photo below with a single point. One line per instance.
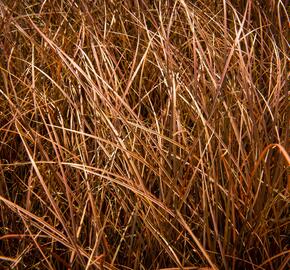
(144, 134)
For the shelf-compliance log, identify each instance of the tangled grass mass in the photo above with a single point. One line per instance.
(144, 134)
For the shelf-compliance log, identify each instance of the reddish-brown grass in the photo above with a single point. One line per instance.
(144, 134)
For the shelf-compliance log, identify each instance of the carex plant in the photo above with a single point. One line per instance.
(144, 134)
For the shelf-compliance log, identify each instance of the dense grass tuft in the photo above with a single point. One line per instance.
(144, 134)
